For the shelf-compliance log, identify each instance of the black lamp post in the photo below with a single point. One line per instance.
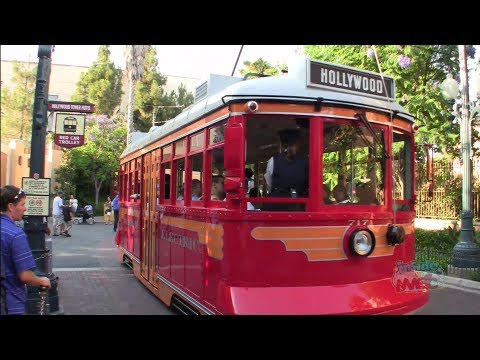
(466, 253)
(34, 226)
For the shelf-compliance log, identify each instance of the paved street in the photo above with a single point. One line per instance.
(92, 282)
(448, 301)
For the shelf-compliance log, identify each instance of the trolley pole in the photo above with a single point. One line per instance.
(34, 225)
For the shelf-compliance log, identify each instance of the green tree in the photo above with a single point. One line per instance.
(173, 104)
(184, 97)
(94, 164)
(418, 71)
(148, 92)
(101, 85)
(261, 67)
(17, 104)
(151, 100)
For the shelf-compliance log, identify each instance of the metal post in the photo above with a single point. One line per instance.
(34, 226)
(466, 252)
(155, 110)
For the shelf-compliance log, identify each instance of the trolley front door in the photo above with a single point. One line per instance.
(145, 196)
(153, 216)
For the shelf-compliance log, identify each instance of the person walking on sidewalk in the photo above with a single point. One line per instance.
(67, 218)
(115, 209)
(16, 256)
(57, 212)
(107, 209)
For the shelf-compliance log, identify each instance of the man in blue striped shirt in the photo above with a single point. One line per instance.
(17, 259)
(115, 208)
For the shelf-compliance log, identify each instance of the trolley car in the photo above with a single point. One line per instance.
(318, 254)
(70, 124)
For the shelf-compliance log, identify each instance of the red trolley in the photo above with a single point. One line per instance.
(207, 253)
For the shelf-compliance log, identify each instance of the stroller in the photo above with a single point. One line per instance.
(84, 215)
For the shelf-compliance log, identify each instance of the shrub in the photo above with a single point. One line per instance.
(440, 240)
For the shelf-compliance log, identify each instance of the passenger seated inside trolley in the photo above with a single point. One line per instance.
(217, 192)
(366, 193)
(252, 193)
(340, 193)
(196, 189)
(326, 195)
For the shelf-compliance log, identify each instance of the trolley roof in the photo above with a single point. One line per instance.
(299, 85)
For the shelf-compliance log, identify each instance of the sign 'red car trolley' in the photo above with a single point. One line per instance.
(207, 240)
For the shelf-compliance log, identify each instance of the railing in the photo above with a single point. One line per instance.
(447, 198)
(442, 262)
(442, 207)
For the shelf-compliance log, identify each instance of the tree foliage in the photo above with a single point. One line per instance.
(261, 67)
(101, 85)
(94, 164)
(148, 92)
(418, 71)
(151, 100)
(17, 104)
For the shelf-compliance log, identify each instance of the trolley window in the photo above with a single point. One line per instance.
(217, 134)
(197, 179)
(218, 175)
(166, 152)
(263, 142)
(166, 174)
(197, 141)
(180, 147)
(402, 169)
(353, 164)
(180, 179)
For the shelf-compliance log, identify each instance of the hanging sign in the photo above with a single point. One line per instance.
(69, 130)
(70, 106)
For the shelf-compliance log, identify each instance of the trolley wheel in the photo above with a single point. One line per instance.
(90, 221)
(75, 221)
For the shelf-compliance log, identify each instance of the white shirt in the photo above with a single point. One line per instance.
(57, 206)
(74, 204)
(268, 173)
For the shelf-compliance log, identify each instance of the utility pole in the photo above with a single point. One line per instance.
(466, 251)
(238, 58)
(34, 225)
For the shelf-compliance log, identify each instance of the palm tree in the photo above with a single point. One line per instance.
(135, 61)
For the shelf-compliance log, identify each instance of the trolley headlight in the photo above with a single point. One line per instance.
(362, 242)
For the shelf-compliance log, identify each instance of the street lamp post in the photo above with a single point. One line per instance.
(466, 252)
(34, 226)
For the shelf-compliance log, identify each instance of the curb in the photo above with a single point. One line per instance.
(462, 284)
